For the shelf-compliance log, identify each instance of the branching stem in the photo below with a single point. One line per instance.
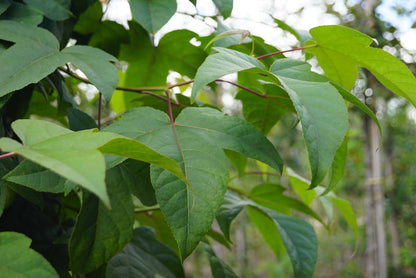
(141, 210)
(242, 87)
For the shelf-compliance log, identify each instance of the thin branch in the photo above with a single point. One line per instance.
(284, 51)
(170, 109)
(181, 84)
(147, 209)
(7, 155)
(238, 191)
(262, 173)
(242, 87)
(100, 100)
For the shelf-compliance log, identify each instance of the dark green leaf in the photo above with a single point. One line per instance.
(229, 210)
(91, 244)
(4, 5)
(224, 6)
(145, 257)
(152, 14)
(53, 9)
(22, 13)
(195, 143)
(90, 19)
(321, 111)
(18, 260)
(109, 36)
(219, 268)
(79, 120)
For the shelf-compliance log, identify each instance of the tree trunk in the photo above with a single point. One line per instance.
(376, 262)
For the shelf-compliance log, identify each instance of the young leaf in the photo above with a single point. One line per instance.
(152, 14)
(321, 111)
(53, 9)
(18, 260)
(224, 62)
(92, 245)
(341, 50)
(145, 257)
(219, 268)
(195, 142)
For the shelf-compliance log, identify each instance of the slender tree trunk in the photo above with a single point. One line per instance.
(376, 261)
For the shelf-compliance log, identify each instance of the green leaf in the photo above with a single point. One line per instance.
(22, 13)
(53, 9)
(224, 6)
(79, 120)
(238, 160)
(229, 210)
(298, 236)
(93, 62)
(34, 176)
(271, 196)
(145, 257)
(157, 221)
(92, 245)
(4, 5)
(299, 239)
(196, 143)
(109, 36)
(321, 111)
(342, 50)
(152, 14)
(18, 260)
(338, 166)
(141, 187)
(224, 62)
(265, 112)
(90, 19)
(268, 230)
(345, 208)
(219, 268)
(35, 55)
(301, 36)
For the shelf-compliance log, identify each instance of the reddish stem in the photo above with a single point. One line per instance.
(242, 87)
(284, 51)
(5, 155)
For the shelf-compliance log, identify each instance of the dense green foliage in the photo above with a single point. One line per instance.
(134, 194)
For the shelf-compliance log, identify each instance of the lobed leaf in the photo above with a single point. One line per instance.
(53, 9)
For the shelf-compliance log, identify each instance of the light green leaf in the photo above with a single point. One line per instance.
(321, 111)
(152, 14)
(224, 6)
(22, 13)
(100, 233)
(224, 62)
(271, 196)
(268, 230)
(53, 9)
(18, 260)
(145, 257)
(342, 50)
(338, 166)
(196, 143)
(94, 63)
(219, 268)
(345, 208)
